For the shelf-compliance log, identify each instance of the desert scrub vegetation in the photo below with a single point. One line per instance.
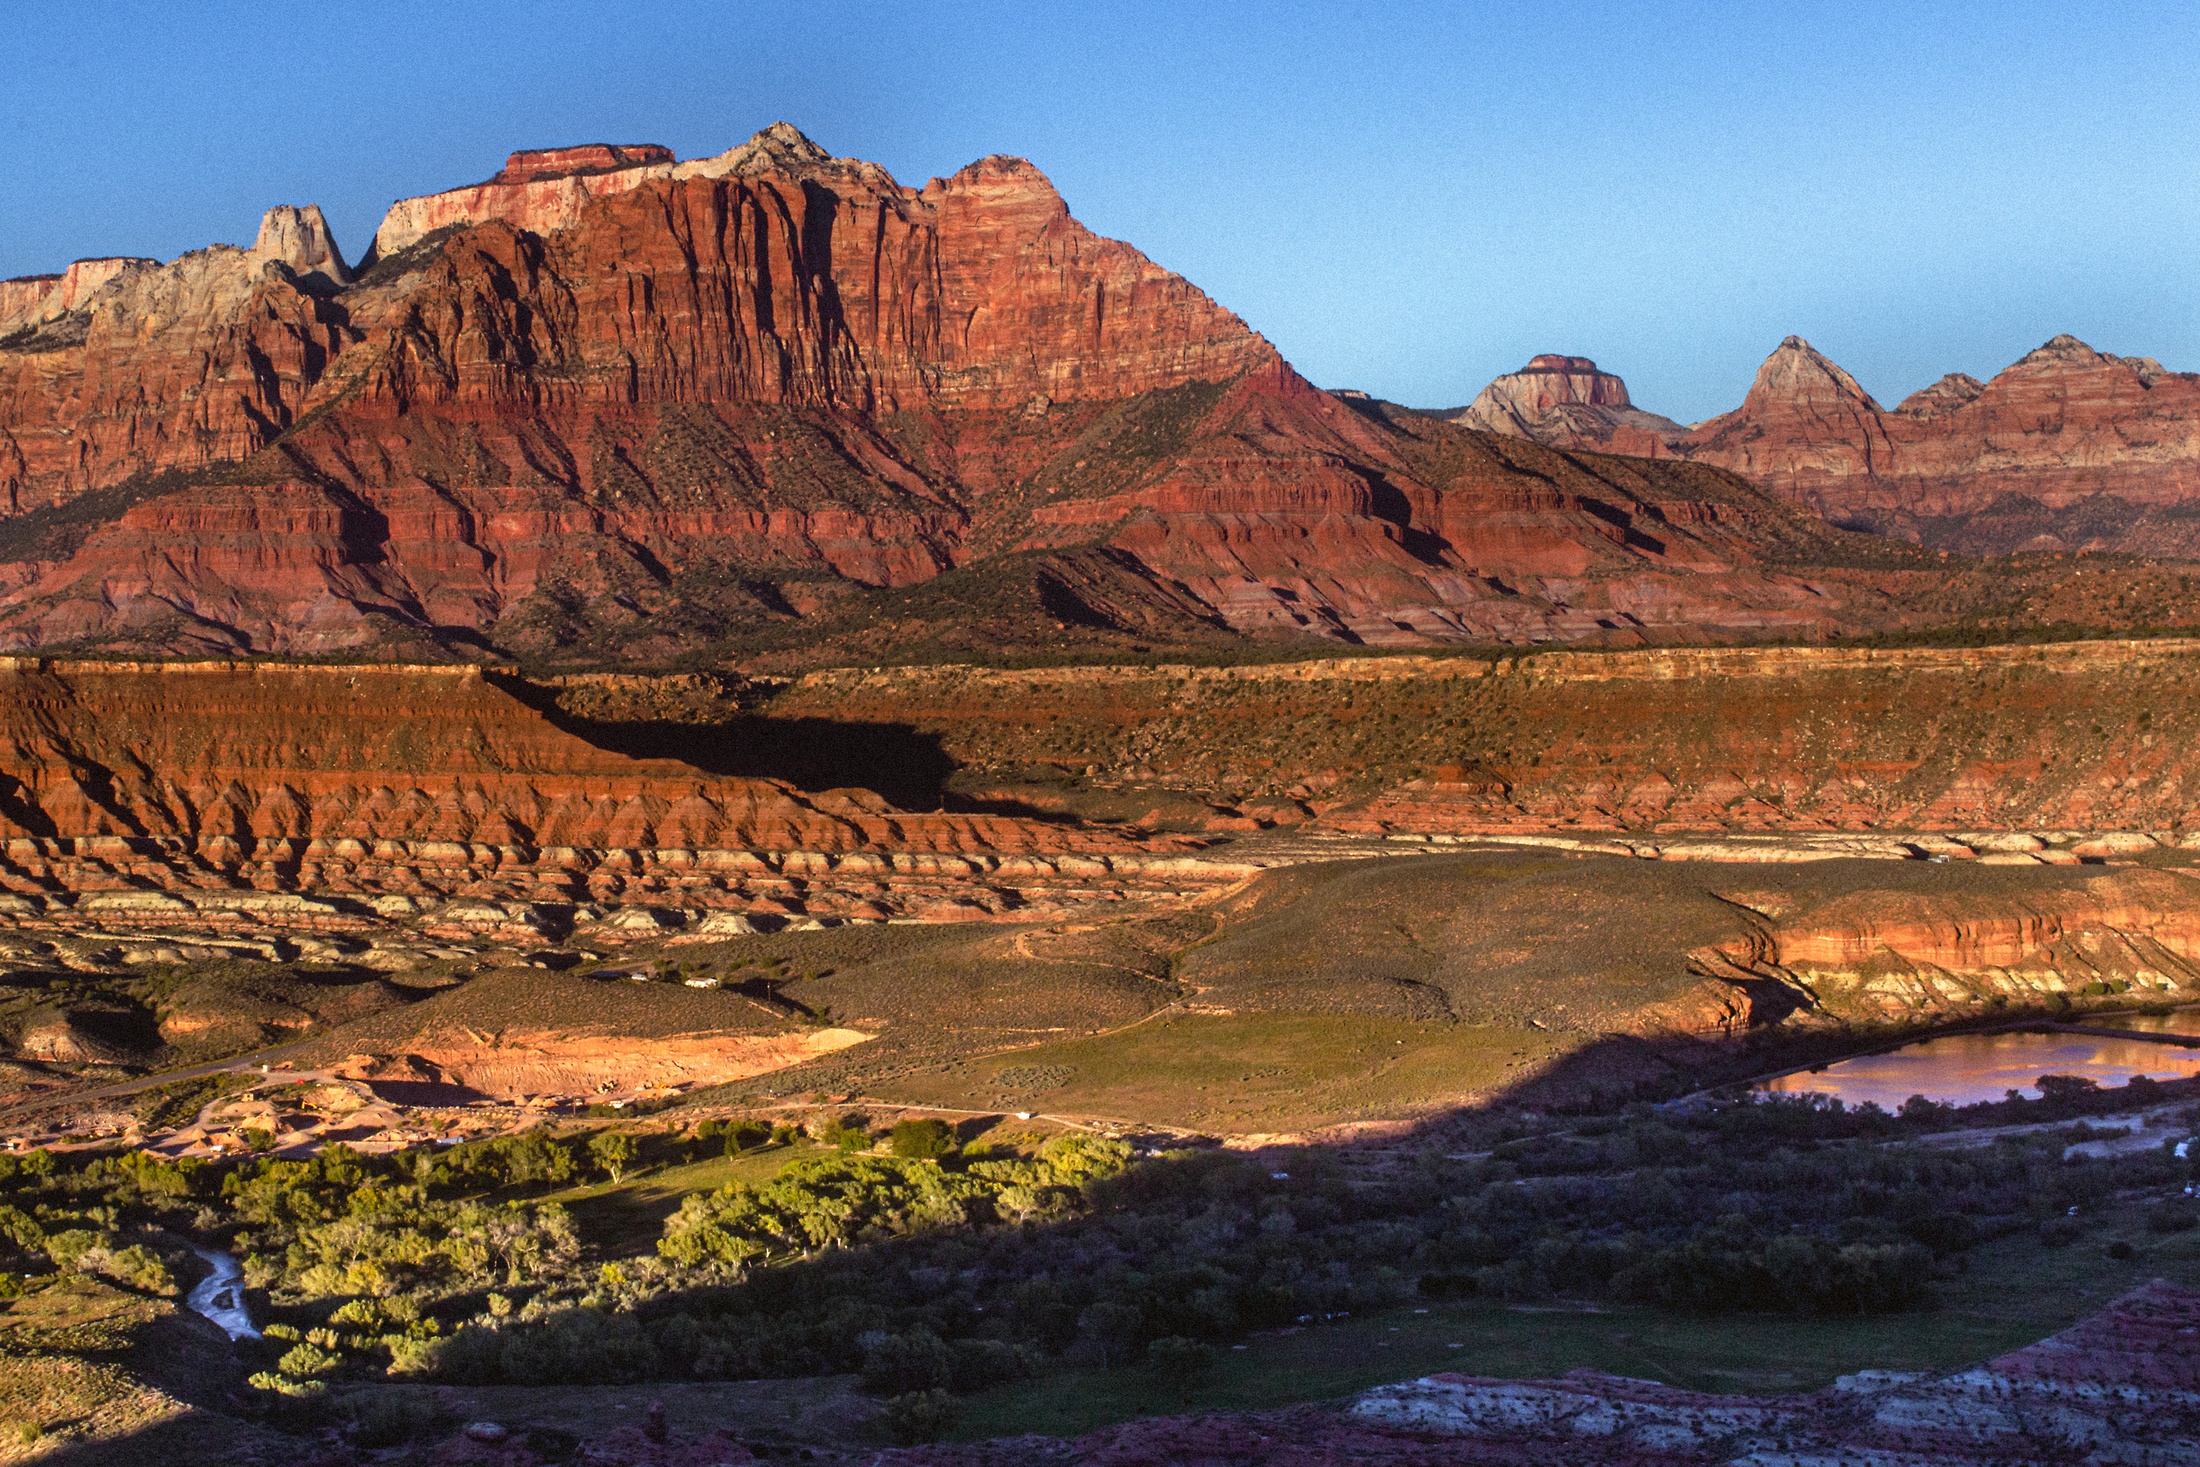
(970, 1266)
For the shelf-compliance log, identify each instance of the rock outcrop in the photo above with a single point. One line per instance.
(2117, 1387)
(1652, 744)
(543, 190)
(301, 240)
(1957, 389)
(167, 367)
(167, 796)
(2067, 449)
(34, 300)
(532, 165)
(1560, 399)
(537, 189)
(1803, 417)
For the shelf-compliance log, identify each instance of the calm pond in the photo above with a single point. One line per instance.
(1965, 1068)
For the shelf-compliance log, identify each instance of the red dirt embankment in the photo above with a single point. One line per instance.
(404, 779)
(2083, 736)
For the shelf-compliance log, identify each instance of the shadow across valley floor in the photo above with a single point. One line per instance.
(1064, 1282)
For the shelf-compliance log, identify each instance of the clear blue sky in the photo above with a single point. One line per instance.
(1405, 198)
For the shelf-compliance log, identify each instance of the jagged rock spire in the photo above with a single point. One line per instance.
(301, 239)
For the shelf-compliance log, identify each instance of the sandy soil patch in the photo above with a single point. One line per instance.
(516, 1065)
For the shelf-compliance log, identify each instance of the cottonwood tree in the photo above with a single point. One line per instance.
(614, 1152)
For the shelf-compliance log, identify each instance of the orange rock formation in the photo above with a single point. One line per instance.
(132, 783)
(1560, 399)
(2068, 448)
(615, 403)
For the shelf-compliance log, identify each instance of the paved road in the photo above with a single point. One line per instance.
(252, 1061)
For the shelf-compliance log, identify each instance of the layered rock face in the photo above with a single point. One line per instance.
(127, 366)
(2067, 449)
(30, 302)
(161, 794)
(1659, 744)
(538, 189)
(531, 165)
(1560, 399)
(2066, 428)
(301, 240)
(1891, 957)
(617, 407)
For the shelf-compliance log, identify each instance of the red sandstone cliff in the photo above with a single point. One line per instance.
(613, 402)
(2059, 427)
(163, 790)
(2066, 449)
(123, 367)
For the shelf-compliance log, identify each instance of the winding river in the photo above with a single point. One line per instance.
(220, 1295)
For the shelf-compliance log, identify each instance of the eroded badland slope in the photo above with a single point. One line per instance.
(1162, 869)
(2082, 736)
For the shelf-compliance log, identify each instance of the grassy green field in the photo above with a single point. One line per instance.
(629, 1217)
(1246, 1072)
(99, 1376)
(2016, 1291)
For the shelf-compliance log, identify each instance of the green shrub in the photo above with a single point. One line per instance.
(390, 1416)
(307, 1359)
(896, 1365)
(2175, 1215)
(1108, 1331)
(1180, 1363)
(925, 1140)
(284, 1385)
(69, 1248)
(920, 1416)
(816, 1203)
(977, 1365)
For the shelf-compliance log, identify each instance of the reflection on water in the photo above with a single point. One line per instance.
(2177, 1021)
(1965, 1068)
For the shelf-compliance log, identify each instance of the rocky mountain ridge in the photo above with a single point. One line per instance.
(2066, 449)
(606, 407)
